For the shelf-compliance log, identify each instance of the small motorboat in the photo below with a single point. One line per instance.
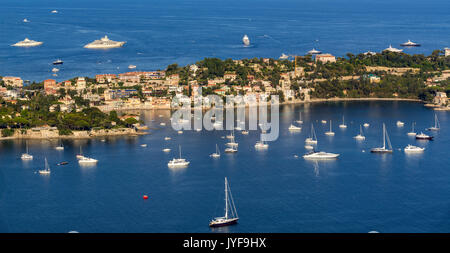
(62, 163)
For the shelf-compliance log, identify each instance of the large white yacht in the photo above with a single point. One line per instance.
(104, 43)
(410, 44)
(246, 40)
(320, 155)
(27, 43)
(314, 51)
(411, 148)
(393, 49)
(284, 57)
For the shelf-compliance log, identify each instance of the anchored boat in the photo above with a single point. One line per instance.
(383, 149)
(231, 216)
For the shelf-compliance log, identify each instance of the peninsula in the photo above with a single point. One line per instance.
(90, 104)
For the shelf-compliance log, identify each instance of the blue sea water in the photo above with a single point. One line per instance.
(161, 32)
(273, 190)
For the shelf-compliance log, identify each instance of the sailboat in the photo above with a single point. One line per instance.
(232, 142)
(217, 154)
(300, 121)
(261, 145)
(312, 138)
(231, 216)
(436, 124)
(178, 162)
(360, 136)
(46, 170)
(26, 155)
(80, 155)
(412, 133)
(330, 133)
(383, 149)
(343, 125)
(60, 147)
(292, 127)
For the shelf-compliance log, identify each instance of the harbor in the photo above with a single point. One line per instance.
(312, 190)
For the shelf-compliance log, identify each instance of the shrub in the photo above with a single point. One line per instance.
(6, 132)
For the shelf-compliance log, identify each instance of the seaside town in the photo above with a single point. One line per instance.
(317, 76)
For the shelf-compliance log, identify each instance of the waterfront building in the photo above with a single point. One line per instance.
(81, 83)
(104, 78)
(447, 51)
(15, 82)
(325, 58)
(130, 77)
(119, 93)
(440, 98)
(50, 86)
(173, 79)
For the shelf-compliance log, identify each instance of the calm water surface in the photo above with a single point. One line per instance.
(161, 32)
(273, 190)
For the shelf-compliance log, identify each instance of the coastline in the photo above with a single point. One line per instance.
(51, 134)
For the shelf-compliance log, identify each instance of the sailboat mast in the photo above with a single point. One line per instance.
(330, 125)
(384, 137)
(179, 147)
(226, 199)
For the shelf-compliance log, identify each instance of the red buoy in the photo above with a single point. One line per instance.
(145, 197)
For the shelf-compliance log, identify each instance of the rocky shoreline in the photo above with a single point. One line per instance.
(54, 134)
